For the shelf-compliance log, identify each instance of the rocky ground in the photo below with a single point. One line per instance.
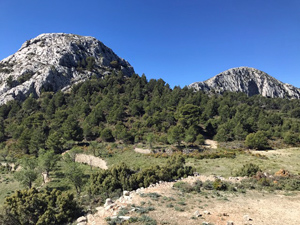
(170, 206)
(142, 150)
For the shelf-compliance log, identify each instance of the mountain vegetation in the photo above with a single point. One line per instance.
(131, 110)
(96, 108)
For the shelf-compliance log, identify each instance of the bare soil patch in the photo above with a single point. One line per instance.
(284, 151)
(142, 150)
(174, 207)
(211, 144)
(91, 160)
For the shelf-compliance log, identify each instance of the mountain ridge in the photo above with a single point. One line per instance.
(247, 80)
(55, 61)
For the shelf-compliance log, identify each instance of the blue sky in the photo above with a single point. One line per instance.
(176, 40)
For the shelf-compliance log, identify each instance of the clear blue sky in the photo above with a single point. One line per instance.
(176, 40)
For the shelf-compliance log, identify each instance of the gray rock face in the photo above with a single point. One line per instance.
(54, 62)
(248, 80)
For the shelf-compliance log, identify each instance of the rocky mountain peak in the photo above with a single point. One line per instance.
(248, 80)
(55, 61)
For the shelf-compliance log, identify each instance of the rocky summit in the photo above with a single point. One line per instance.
(55, 61)
(250, 81)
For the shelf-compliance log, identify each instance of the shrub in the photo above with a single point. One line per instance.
(198, 184)
(257, 140)
(147, 220)
(291, 138)
(143, 210)
(264, 181)
(219, 185)
(200, 139)
(208, 185)
(179, 209)
(154, 196)
(291, 184)
(248, 169)
(122, 177)
(183, 186)
(114, 64)
(106, 135)
(33, 207)
(25, 77)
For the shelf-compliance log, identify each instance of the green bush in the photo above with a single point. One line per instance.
(25, 77)
(147, 220)
(208, 185)
(291, 138)
(257, 140)
(290, 184)
(114, 64)
(143, 210)
(33, 207)
(106, 135)
(122, 177)
(248, 169)
(183, 186)
(219, 185)
(198, 184)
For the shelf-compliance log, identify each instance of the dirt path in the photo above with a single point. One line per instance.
(12, 165)
(283, 151)
(142, 150)
(211, 143)
(91, 160)
(254, 207)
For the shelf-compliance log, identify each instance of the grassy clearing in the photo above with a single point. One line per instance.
(60, 182)
(288, 159)
(7, 186)
(134, 159)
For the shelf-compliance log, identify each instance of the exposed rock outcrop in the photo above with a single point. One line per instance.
(54, 62)
(248, 80)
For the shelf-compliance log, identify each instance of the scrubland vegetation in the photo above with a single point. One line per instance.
(108, 117)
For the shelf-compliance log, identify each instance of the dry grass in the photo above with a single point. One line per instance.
(134, 159)
(288, 159)
(7, 186)
(167, 205)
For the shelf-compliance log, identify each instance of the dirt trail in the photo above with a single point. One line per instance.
(208, 143)
(142, 150)
(282, 151)
(91, 160)
(211, 143)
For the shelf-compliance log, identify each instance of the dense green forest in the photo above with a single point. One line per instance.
(122, 111)
(133, 110)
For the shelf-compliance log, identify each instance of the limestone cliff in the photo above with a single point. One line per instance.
(54, 62)
(248, 80)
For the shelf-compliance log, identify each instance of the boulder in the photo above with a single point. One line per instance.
(108, 202)
(126, 193)
(247, 220)
(197, 214)
(206, 212)
(282, 173)
(81, 219)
